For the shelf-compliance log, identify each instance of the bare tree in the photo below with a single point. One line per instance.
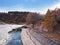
(32, 18)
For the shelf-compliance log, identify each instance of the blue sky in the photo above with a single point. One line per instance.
(39, 6)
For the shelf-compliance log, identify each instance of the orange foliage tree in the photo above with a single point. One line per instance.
(50, 20)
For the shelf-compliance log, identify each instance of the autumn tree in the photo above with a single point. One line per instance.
(32, 18)
(50, 20)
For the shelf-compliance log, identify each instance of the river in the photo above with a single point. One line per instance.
(12, 38)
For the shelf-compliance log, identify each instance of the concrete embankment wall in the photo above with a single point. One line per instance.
(29, 37)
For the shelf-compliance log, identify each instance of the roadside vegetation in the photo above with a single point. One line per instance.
(1, 22)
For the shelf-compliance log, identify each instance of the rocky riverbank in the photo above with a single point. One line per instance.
(30, 37)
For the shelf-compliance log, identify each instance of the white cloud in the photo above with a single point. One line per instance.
(22, 8)
(57, 5)
(52, 7)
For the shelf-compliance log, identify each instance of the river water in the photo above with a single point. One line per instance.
(12, 38)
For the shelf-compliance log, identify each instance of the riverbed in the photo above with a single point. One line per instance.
(12, 38)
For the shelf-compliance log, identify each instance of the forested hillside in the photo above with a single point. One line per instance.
(13, 17)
